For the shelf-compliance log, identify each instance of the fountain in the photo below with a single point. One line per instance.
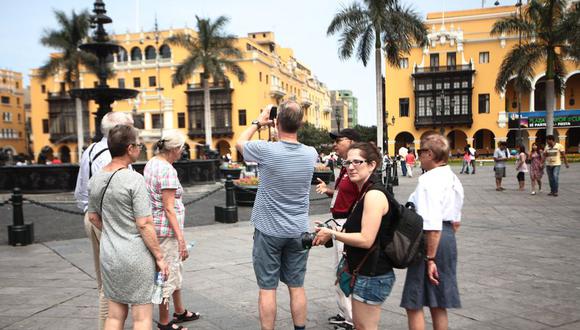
(102, 47)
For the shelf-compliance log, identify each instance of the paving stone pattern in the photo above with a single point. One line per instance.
(518, 269)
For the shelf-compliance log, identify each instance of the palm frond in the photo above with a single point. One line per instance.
(236, 70)
(182, 40)
(347, 41)
(347, 17)
(185, 69)
(519, 61)
(51, 67)
(512, 25)
(365, 45)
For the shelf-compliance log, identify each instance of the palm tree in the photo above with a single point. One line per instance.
(550, 33)
(382, 25)
(212, 50)
(72, 32)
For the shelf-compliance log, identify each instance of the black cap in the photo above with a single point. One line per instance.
(349, 133)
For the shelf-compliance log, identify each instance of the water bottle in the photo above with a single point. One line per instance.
(158, 291)
(190, 246)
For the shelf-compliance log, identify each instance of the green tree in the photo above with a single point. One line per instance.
(382, 25)
(367, 133)
(212, 50)
(318, 138)
(549, 32)
(66, 39)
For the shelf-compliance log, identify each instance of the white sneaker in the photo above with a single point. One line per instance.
(533, 193)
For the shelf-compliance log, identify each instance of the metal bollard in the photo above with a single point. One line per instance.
(389, 178)
(229, 213)
(395, 175)
(19, 233)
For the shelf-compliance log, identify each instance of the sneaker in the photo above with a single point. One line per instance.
(344, 325)
(533, 193)
(550, 194)
(337, 319)
(555, 194)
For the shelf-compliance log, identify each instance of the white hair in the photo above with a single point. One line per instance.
(112, 119)
(171, 139)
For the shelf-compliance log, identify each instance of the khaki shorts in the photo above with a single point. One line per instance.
(170, 250)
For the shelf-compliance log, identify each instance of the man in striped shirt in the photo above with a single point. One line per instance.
(280, 213)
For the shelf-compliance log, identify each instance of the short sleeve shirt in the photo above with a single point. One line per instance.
(500, 154)
(438, 197)
(160, 175)
(282, 202)
(553, 155)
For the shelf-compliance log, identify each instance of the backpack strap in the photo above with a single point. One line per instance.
(91, 160)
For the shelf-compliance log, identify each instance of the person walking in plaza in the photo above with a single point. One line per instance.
(466, 161)
(536, 167)
(280, 213)
(500, 156)
(362, 234)
(95, 157)
(438, 198)
(522, 167)
(554, 154)
(165, 193)
(403, 151)
(472, 153)
(343, 196)
(410, 162)
(119, 207)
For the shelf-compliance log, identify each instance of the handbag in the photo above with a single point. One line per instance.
(344, 278)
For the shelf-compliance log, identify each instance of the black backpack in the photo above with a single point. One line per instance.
(405, 243)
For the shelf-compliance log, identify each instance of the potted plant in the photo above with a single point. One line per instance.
(323, 172)
(233, 169)
(246, 190)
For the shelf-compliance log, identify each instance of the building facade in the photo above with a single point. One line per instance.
(352, 102)
(340, 112)
(448, 87)
(13, 121)
(146, 63)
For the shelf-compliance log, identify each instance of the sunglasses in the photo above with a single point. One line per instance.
(355, 162)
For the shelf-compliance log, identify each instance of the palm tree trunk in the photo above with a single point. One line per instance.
(207, 112)
(550, 106)
(379, 88)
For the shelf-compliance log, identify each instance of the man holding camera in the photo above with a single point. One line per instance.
(280, 213)
(343, 196)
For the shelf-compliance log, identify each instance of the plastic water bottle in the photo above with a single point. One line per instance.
(158, 291)
(190, 246)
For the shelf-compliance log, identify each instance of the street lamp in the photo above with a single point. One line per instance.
(338, 117)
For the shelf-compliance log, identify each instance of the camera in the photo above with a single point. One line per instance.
(273, 112)
(411, 206)
(307, 237)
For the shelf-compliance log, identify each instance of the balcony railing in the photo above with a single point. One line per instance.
(220, 131)
(444, 120)
(451, 68)
(212, 85)
(277, 91)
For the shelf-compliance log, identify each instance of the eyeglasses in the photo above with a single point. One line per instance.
(138, 145)
(355, 162)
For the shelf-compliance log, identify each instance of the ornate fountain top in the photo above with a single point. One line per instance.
(98, 20)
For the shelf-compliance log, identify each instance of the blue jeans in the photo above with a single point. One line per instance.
(465, 167)
(403, 167)
(553, 176)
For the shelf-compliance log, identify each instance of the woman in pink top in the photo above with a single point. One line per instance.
(522, 167)
(165, 193)
(410, 162)
(536, 167)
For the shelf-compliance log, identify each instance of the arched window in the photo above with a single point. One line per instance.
(136, 54)
(165, 51)
(122, 55)
(150, 53)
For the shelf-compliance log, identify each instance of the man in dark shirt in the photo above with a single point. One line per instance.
(343, 196)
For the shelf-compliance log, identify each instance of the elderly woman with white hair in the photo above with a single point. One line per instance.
(165, 193)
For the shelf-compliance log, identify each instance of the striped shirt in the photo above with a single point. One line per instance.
(282, 202)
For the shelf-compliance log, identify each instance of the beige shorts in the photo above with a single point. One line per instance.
(170, 250)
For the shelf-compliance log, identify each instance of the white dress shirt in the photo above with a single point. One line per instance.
(81, 190)
(438, 197)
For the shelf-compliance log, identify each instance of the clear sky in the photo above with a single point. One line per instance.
(298, 24)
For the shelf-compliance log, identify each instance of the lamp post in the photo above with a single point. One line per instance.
(519, 135)
(338, 117)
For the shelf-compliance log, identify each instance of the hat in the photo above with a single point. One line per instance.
(347, 133)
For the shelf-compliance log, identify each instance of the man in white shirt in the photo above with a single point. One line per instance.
(472, 152)
(438, 198)
(95, 157)
(403, 151)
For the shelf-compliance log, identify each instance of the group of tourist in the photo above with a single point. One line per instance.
(363, 220)
(539, 159)
(135, 224)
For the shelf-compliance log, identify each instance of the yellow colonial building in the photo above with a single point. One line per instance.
(13, 121)
(146, 63)
(448, 87)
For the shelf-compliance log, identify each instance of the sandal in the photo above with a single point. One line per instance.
(169, 326)
(179, 318)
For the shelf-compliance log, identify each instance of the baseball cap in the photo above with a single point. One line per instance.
(348, 133)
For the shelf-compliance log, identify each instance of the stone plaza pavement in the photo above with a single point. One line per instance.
(519, 258)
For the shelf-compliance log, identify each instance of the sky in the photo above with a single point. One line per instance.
(297, 24)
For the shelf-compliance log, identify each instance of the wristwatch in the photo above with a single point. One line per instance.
(427, 258)
(257, 123)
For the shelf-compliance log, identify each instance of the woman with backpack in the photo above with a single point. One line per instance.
(438, 198)
(362, 234)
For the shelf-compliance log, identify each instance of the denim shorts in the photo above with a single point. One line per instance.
(278, 259)
(373, 290)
